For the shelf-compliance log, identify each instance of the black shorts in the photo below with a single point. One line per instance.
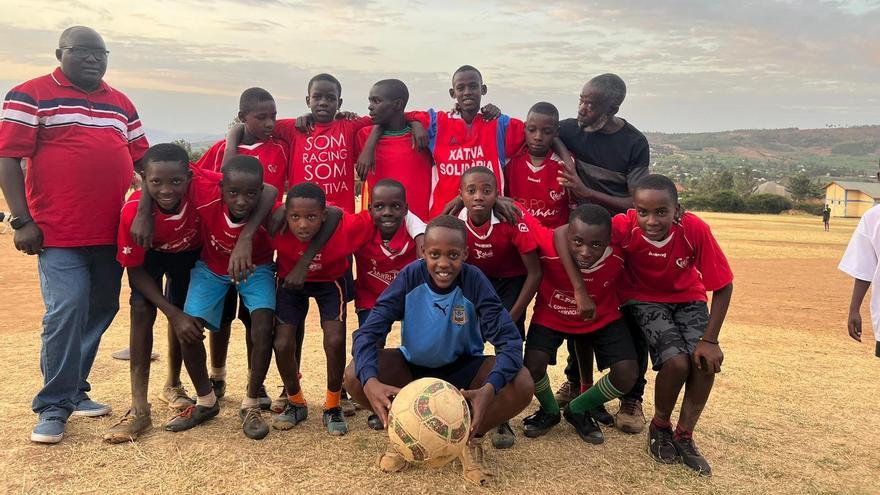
(292, 306)
(175, 267)
(508, 289)
(348, 278)
(611, 343)
(235, 304)
(670, 328)
(460, 373)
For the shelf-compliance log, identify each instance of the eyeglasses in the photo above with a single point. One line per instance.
(83, 53)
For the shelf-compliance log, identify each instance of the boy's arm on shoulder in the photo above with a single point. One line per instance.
(142, 225)
(586, 308)
(233, 139)
(240, 261)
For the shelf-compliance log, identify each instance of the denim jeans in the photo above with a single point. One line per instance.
(80, 288)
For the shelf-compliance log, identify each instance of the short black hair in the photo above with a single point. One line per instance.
(479, 169)
(252, 97)
(612, 88)
(395, 88)
(448, 222)
(325, 77)
(307, 190)
(467, 68)
(243, 164)
(166, 152)
(591, 214)
(390, 183)
(545, 108)
(658, 182)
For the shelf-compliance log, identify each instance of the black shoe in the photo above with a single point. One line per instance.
(375, 423)
(660, 445)
(219, 387)
(504, 438)
(601, 415)
(252, 423)
(263, 399)
(586, 427)
(691, 457)
(192, 416)
(539, 423)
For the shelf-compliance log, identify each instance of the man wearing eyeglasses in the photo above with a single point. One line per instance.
(79, 139)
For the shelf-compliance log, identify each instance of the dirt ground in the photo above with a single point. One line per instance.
(795, 410)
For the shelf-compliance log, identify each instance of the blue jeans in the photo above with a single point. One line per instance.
(80, 289)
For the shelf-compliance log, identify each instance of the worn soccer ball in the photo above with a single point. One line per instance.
(429, 422)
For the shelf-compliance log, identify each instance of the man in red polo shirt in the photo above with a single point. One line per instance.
(79, 138)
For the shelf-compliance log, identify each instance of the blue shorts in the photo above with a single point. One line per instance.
(207, 291)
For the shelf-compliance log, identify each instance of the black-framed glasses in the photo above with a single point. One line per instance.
(83, 53)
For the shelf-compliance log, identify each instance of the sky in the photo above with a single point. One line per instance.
(689, 65)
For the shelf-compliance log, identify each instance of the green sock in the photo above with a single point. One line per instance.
(545, 396)
(595, 396)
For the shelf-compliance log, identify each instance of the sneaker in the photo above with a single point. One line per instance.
(219, 387)
(335, 422)
(263, 399)
(347, 405)
(586, 426)
(539, 423)
(660, 445)
(129, 428)
(91, 409)
(391, 461)
(279, 404)
(567, 392)
(690, 455)
(375, 423)
(292, 415)
(472, 463)
(176, 397)
(252, 423)
(49, 429)
(504, 437)
(192, 416)
(602, 416)
(630, 418)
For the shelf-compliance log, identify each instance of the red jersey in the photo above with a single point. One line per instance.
(331, 262)
(219, 232)
(538, 190)
(325, 156)
(496, 247)
(457, 146)
(680, 268)
(379, 263)
(396, 159)
(172, 233)
(272, 153)
(80, 149)
(555, 305)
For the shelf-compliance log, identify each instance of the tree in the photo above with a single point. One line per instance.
(802, 187)
(193, 155)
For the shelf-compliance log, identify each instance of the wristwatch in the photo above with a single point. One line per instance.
(19, 222)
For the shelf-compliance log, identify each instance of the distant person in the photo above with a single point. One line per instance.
(81, 140)
(612, 156)
(860, 262)
(826, 217)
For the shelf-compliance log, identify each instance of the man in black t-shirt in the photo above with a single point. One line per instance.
(612, 156)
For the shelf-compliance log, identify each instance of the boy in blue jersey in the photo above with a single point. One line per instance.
(443, 341)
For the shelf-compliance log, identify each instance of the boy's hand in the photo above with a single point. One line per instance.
(507, 210)
(142, 230)
(479, 400)
(345, 115)
(453, 207)
(419, 135)
(854, 325)
(380, 397)
(188, 329)
(295, 279)
(366, 163)
(29, 238)
(305, 123)
(490, 112)
(241, 265)
(708, 357)
(136, 182)
(586, 308)
(569, 179)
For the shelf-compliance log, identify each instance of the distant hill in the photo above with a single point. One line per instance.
(773, 153)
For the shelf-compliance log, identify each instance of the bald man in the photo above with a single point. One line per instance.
(79, 139)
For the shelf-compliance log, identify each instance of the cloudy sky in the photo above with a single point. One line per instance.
(690, 65)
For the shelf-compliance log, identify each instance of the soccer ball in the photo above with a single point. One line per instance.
(429, 422)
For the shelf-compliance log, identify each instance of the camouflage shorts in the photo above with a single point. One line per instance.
(671, 328)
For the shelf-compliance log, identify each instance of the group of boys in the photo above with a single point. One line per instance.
(498, 193)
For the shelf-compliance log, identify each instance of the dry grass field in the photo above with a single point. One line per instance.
(795, 410)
